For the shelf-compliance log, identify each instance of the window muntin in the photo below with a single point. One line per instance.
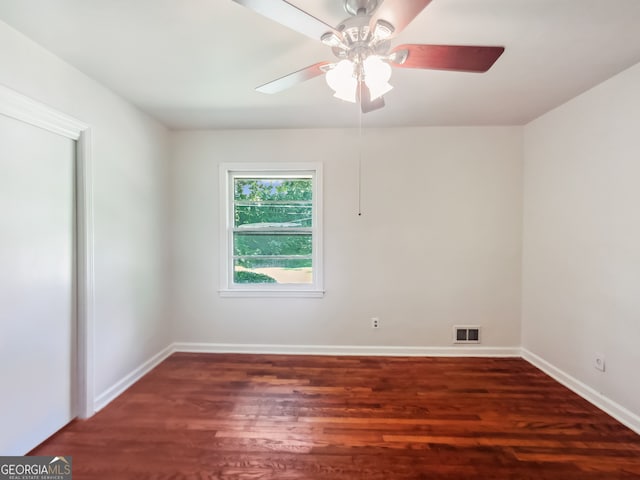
(272, 229)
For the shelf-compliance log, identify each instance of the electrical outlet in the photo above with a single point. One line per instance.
(598, 362)
(375, 322)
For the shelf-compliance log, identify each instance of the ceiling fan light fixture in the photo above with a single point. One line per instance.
(347, 94)
(382, 30)
(378, 90)
(331, 39)
(376, 69)
(364, 33)
(377, 74)
(353, 34)
(342, 80)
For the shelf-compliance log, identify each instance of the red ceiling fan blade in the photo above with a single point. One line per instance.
(366, 104)
(290, 16)
(398, 13)
(292, 79)
(460, 58)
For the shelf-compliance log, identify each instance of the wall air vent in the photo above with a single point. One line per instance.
(466, 334)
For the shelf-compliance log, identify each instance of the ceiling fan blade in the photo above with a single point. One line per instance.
(460, 58)
(290, 16)
(398, 13)
(366, 104)
(292, 79)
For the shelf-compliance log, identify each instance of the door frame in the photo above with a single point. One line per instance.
(20, 107)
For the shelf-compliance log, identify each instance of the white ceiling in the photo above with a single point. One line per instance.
(195, 63)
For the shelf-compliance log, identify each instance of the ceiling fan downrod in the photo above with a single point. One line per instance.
(360, 7)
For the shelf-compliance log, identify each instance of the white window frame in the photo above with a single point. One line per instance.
(228, 171)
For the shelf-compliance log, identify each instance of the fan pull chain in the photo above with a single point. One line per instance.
(360, 151)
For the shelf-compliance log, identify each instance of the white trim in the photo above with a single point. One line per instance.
(86, 275)
(368, 350)
(604, 403)
(20, 107)
(128, 380)
(255, 293)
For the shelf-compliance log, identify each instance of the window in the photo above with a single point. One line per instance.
(271, 230)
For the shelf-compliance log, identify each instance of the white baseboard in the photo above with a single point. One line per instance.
(111, 393)
(373, 350)
(605, 404)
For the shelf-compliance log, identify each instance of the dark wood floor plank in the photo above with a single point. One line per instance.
(261, 417)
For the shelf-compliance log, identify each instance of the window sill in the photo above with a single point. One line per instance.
(250, 293)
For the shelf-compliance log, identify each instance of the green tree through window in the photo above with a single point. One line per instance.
(273, 230)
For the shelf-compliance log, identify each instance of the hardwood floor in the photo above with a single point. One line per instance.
(239, 417)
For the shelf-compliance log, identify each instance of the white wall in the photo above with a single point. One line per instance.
(581, 261)
(129, 159)
(439, 242)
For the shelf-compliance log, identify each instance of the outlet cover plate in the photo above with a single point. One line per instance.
(598, 362)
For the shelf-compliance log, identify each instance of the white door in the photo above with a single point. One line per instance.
(37, 287)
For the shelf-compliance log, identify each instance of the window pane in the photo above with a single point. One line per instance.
(272, 189)
(272, 228)
(271, 244)
(266, 270)
(286, 215)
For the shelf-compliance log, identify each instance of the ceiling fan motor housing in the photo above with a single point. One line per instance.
(358, 41)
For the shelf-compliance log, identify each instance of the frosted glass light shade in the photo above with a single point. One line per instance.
(376, 70)
(379, 90)
(377, 74)
(347, 94)
(342, 81)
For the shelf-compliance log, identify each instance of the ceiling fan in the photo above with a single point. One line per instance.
(362, 44)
